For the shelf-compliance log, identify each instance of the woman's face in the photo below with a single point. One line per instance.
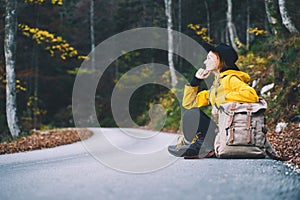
(211, 62)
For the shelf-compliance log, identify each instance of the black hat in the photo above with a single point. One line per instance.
(226, 53)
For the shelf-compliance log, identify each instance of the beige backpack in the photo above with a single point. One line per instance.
(242, 132)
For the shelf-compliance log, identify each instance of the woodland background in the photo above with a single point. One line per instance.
(46, 68)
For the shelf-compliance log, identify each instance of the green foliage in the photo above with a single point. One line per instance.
(165, 111)
(47, 127)
(33, 115)
(276, 60)
(173, 111)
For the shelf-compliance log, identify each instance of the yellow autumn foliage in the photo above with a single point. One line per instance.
(257, 31)
(52, 42)
(250, 60)
(201, 31)
(54, 2)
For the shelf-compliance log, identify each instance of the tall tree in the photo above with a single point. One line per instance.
(207, 18)
(180, 30)
(10, 60)
(92, 32)
(273, 16)
(168, 7)
(231, 28)
(286, 20)
(248, 25)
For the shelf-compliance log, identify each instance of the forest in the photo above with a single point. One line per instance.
(54, 37)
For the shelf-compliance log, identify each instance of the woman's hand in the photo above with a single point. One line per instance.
(202, 74)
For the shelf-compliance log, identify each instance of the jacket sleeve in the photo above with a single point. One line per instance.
(192, 99)
(240, 92)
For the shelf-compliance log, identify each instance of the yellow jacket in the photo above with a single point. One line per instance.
(232, 86)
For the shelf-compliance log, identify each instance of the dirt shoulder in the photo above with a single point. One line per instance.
(45, 139)
(287, 142)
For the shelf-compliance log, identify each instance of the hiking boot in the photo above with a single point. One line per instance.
(182, 149)
(195, 146)
(193, 152)
(179, 149)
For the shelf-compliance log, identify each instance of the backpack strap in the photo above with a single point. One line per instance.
(273, 155)
(249, 114)
(231, 128)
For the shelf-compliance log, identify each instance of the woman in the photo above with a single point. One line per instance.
(230, 85)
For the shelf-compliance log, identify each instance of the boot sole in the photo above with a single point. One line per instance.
(177, 152)
(206, 155)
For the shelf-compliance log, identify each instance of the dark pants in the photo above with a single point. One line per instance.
(194, 121)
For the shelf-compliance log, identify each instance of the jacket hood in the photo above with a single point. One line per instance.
(241, 75)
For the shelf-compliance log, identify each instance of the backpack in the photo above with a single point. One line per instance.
(242, 131)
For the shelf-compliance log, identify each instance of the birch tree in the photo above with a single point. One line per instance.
(179, 30)
(92, 33)
(9, 52)
(207, 18)
(273, 16)
(168, 7)
(248, 26)
(231, 28)
(286, 20)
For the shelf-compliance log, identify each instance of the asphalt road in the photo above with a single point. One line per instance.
(98, 170)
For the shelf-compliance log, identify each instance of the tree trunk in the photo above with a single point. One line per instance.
(179, 30)
(248, 26)
(10, 53)
(230, 26)
(35, 63)
(207, 18)
(168, 8)
(273, 17)
(36, 86)
(92, 32)
(286, 20)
